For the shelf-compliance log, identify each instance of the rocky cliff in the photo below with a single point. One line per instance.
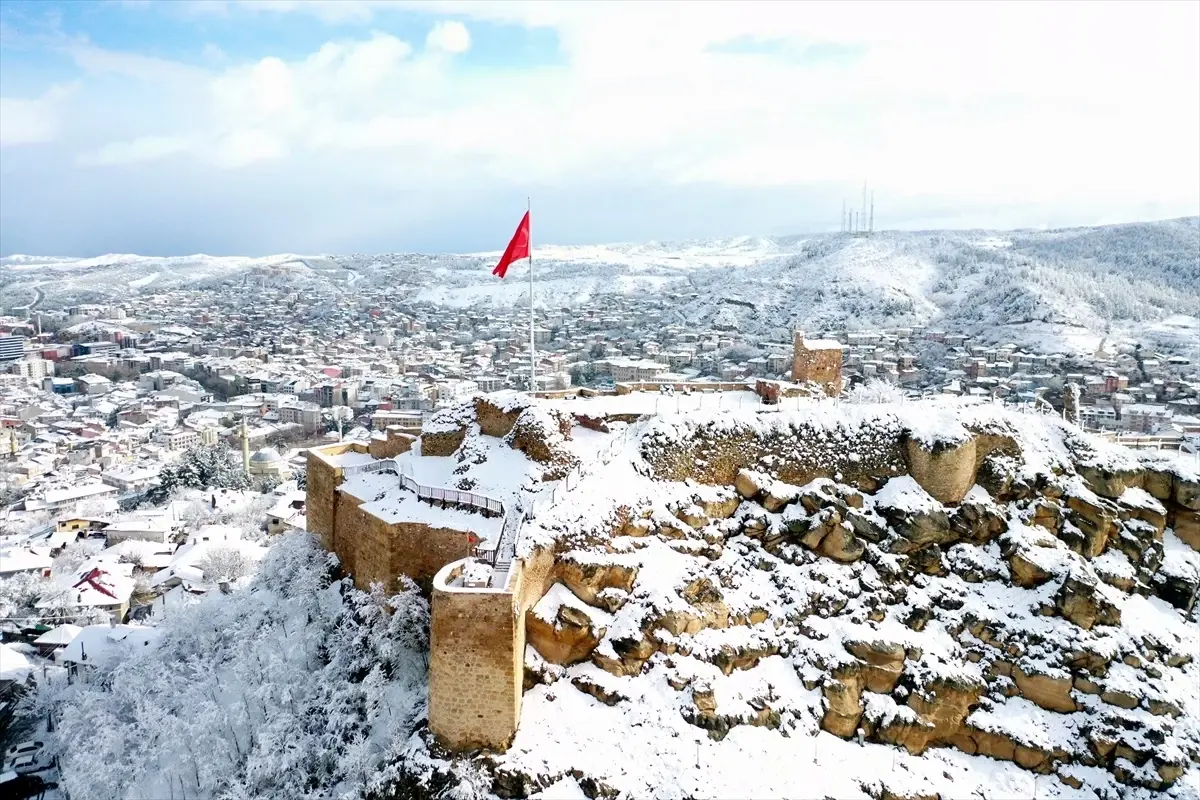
(864, 601)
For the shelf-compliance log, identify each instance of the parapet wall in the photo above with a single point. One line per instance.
(864, 455)
(374, 551)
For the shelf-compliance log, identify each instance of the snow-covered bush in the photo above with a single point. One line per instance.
(875, 391)
(74, 554)
(294, 687)
(225, 564)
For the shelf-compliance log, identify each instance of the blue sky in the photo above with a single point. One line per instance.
(260, 126)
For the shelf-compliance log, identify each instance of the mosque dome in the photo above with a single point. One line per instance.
(267, 455)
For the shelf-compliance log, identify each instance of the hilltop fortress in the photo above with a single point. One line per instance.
(596, 540)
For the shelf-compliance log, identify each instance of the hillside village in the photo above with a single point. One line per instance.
(116, 389)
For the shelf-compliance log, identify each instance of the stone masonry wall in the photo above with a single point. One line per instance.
(473, 644)
(946, 473)
(494, 421)
(321, 496)
(865, 458)
(397, 442)
(822, 367)
(797, 455)
(475, 672)
(374, 551)
(442, 444)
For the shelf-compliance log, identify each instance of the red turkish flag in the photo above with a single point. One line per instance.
(517, 248)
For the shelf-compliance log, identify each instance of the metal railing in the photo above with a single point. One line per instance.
(432, 494)
(500, 556)
(437, 494)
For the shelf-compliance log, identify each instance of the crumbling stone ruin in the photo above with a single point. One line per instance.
(817, 361)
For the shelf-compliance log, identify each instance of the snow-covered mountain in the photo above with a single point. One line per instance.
(1060, 288)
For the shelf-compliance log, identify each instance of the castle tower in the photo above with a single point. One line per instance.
(817, 361)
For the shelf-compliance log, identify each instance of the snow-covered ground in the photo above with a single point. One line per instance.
(598, 726)
(1060, 290)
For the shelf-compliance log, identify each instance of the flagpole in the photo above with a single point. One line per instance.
(532, 351)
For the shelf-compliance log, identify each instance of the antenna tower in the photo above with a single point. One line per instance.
(860, 222)
(863, 217)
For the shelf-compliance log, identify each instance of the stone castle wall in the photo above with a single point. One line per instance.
(946, 473)
(374, 551)
(395, 442)
(823, 367)
(798, 455)
(477, 661)
(477, 640)
(864, 458)
(442, 444)
(370, 549)
(321, 496)
(475, 672)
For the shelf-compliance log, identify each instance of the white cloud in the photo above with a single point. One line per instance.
(213, 53)
(450, 36)
(144, 148)
(32, 121)
(244, 147)
(993, 102)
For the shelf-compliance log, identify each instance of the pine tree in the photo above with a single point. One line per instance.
(201, 467)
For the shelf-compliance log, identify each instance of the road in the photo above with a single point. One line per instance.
(39, 296)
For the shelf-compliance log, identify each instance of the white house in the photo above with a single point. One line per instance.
(99, 645)
(25, 559)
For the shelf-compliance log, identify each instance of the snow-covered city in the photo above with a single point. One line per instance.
(686, 487)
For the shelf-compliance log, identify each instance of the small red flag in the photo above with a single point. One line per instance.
(517, 248)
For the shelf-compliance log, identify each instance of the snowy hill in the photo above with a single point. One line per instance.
(1064, 289)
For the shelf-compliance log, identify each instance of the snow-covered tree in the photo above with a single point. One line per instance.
(19, 594)
(75, 553)
(297, 686)
(225, 564)
(202, 467)
(247, 512)
(875, 391)
(26, 596)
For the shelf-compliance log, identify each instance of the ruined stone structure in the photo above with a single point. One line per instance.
(800, 491)
(817, 361)
(478, 634)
